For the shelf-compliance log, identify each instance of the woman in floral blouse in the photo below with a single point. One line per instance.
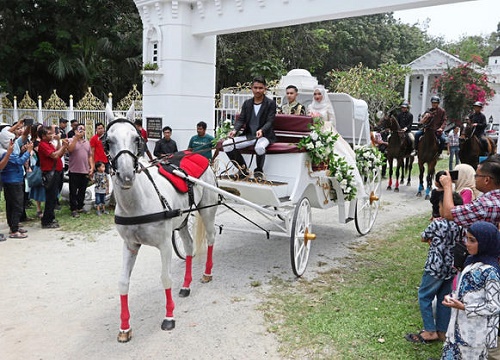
(473, 326)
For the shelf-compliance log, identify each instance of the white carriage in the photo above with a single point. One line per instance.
(291, 187)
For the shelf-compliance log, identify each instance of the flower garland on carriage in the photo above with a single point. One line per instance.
(320, 147)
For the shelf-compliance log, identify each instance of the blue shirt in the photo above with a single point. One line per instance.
(14, 171)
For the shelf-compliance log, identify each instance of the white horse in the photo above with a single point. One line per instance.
(148, 208)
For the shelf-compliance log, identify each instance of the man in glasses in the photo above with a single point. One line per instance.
(485, 207)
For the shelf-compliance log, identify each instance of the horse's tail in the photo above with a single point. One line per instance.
(200, 233)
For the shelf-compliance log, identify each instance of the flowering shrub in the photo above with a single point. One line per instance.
(367, 159)
(461, 86)
(320, 147)
(222, 131)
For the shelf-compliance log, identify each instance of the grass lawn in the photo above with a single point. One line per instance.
(361, 310)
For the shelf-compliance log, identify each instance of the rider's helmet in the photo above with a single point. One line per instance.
(405, 104)
(478, 103)
(435, 99)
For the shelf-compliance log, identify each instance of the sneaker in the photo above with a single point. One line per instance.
(58, 207)
(98, 212)
(75, 214)
(83, 211)
(52, 225)
(105, 212)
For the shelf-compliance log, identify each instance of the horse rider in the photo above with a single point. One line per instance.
(478, 121)
(405, 120)
(435, 119)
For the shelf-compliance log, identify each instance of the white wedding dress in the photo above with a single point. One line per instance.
(341, 146)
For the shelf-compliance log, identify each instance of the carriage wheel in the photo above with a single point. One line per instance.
(367, 208)
(177, 240)
(300, 239)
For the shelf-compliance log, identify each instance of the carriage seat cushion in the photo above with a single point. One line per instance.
(191, 163)
(289, 129)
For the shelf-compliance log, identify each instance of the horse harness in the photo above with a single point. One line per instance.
(168, 212)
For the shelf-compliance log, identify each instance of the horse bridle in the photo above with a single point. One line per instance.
(112, 160)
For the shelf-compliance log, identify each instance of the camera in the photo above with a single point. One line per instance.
(29, 121)
(454, 175)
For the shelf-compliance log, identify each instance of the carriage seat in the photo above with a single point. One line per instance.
(289, 129)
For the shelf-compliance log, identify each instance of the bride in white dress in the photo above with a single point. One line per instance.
(322, 107)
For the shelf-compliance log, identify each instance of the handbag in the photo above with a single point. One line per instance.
(48, 177)
(460, 253)
(34, 178)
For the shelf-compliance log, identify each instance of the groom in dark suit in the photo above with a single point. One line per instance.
(257, 118)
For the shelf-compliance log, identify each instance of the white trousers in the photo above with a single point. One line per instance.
(241, 142)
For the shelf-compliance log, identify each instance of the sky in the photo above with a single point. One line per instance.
(452, 21)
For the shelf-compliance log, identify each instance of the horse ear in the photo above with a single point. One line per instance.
(109, 113)
(131, 113)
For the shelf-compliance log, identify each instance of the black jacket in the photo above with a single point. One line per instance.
(266, 118)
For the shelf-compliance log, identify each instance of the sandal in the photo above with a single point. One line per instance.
(22, 231)
(2, 237)
(418, 339)
(18, 235)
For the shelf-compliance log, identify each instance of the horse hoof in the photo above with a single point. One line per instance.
(396, 190)
(408, 184)
(168, 324)
(419, 194)
(206, 279)
(124, 336)
(184, 293)
(427, 197)
(389, 188)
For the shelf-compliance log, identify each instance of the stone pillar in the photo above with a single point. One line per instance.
(407, 88)
(179, 81)
(425, 91)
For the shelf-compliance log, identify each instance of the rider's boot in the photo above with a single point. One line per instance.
(259, 170)
(415, 150)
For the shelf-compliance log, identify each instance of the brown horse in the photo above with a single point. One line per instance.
(470, 146)
(398, 148)
(428, 153)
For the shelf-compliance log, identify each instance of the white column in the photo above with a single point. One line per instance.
(424, 93)
(182, 90)
(407, 88)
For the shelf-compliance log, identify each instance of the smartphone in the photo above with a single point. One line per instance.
(454, 174)
(29, 121)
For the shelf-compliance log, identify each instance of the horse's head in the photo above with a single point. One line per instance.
(389, 121)
(123, 145)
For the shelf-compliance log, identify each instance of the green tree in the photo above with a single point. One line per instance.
(460, 87)
(70, 45)
(381, 88)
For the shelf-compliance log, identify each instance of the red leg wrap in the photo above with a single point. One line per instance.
(125, 314)
(397, 184)
(188, 274)
(390, 181)
(170, 303)
(209, 264)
